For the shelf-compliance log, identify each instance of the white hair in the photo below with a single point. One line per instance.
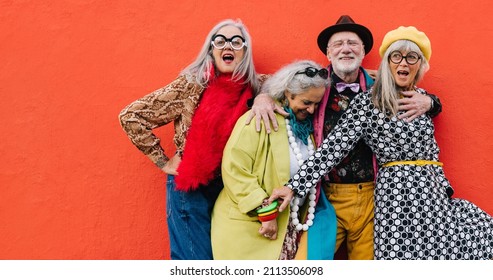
(199, 70)
(385, 91)
(288, 79)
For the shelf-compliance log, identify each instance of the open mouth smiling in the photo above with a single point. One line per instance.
(228, 58)
(403, 73)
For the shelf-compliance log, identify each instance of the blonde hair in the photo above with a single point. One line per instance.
(385, 92)
(199, 70)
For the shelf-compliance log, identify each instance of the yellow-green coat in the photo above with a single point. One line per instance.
(253, 165)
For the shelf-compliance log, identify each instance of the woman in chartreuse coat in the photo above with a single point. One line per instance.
(243, 226)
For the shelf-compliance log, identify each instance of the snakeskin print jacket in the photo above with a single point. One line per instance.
(175, 103)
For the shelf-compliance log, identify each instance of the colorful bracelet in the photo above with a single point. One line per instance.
(268, 217)
(268, 208)
(268, 213)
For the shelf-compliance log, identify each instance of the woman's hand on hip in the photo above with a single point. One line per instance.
(172, 165)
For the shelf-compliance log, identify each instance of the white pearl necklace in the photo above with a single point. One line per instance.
(312, 196)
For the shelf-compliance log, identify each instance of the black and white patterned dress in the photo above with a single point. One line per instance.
(415, 218)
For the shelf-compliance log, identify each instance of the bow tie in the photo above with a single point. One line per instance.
(340, 87)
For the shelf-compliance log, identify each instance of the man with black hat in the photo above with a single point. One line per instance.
(350, 185)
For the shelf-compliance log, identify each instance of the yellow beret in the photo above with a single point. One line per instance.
(407, 33)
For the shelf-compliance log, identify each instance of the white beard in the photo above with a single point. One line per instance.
(347, 68)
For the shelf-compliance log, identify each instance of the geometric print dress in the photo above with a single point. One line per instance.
(415, 216)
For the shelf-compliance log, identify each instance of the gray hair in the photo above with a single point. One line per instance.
(287, 79)
(385, 91)
(199, 70)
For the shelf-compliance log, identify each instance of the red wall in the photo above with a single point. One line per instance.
(72, 186)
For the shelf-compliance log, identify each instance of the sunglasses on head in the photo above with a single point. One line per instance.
(311, 72)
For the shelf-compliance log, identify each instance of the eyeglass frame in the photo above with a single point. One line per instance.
(230, 41)
(345, 42)
(404, 57)
(312, 72)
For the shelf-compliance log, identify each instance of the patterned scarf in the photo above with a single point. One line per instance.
(221, 104)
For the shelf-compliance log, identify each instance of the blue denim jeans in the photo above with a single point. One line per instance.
(189, 220)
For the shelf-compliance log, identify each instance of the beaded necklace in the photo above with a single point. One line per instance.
(312, 195)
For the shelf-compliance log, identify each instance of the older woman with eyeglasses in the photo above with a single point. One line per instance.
(203, 103)
(243, 225)
(415, 214)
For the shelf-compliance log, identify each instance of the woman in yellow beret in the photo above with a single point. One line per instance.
(415, 214)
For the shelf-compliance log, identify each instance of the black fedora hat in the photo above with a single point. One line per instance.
(345, 23)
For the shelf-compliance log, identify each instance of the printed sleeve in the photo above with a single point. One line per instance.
(154, 110)
(336, 146)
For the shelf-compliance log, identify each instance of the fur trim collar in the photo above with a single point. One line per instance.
(221, 104)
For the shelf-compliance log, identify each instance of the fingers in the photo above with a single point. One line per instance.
(266, 119)
(271, 118)
(284, 204)
(269, 229)
(284, 194)
(263, 110)
(409, 93)
(408, 116)
(411, 118)
(280, 110)
(265, 116)
(273, 196)
(413, 106)
(404, 107)
(403, 101)
(250, 117)
(262, 116)
(271, 236)
(258, 127)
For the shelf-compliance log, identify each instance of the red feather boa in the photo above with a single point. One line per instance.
(221, 104)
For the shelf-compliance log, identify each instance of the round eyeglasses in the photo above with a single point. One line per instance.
(411, 57)
(236, 42)
(337, 45)
(311, 72)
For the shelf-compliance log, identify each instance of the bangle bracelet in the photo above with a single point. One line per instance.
(268, 217)
(268, 213)
(268, 208)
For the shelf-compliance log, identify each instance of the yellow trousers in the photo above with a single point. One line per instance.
(354, 207)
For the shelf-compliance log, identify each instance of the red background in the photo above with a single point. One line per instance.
(72, 186)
